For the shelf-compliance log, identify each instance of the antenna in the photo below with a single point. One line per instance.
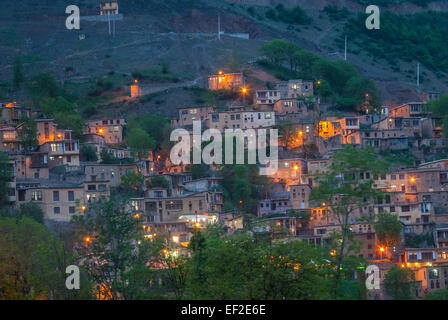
(345, 51)
(418, 74)
(219, 27)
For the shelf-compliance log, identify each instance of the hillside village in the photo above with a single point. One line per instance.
(368, 182)
(53, 175)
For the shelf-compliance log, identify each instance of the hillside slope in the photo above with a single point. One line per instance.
(181, 33)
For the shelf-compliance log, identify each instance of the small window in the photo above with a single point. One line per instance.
(71, 210)
(57, 210)
(71, 196)
(55, 195)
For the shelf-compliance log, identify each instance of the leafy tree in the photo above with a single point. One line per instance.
(30, 210)
(140, 142)
(27, 134)
(294, 15)
(108, 158)
(45, 85)
(175, 271)
(388, 229)
(19, 77)
(440, 107)
(238, 267)
(114, 251)
(274, 51)
(87, 153)
(342, 191)
(72, 121)
(52, 105)
(287, 131)
(441, 294)
(158, 182)
(33, 263)
(156, 126)
(5, 176)
(198, 170)
(132, 182)
(64, 113)
(398, 283)
(400, 39)
(241, 185)
(337, 80)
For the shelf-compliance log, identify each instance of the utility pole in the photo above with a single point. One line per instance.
(418, 74)
(345, 51)
(108, 20)
(219, 27)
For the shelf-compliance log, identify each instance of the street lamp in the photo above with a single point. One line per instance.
(244, 91)
(87, 239)
(382, 250)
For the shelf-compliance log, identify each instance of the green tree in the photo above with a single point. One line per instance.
(114, 251)
(87, 153)
(343, 190)
(45, 85)
(52, 105)
(27, 134)
(132, 182)
(158, 127)
(238, 267)
(388, 229)
(274, 51)
(64, 113)
(287, 131)
(398, 283)
(158, 182)
(108, 158)
(440, 107)
(140, 142)
(33, 263)
(441, 294)
(5, 176)
(19, 77)
(30, 210)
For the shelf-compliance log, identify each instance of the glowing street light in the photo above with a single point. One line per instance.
(296, 167)
(412, 179)
(83, 208)
(175, 239)
(87, 239)
(244, 92)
